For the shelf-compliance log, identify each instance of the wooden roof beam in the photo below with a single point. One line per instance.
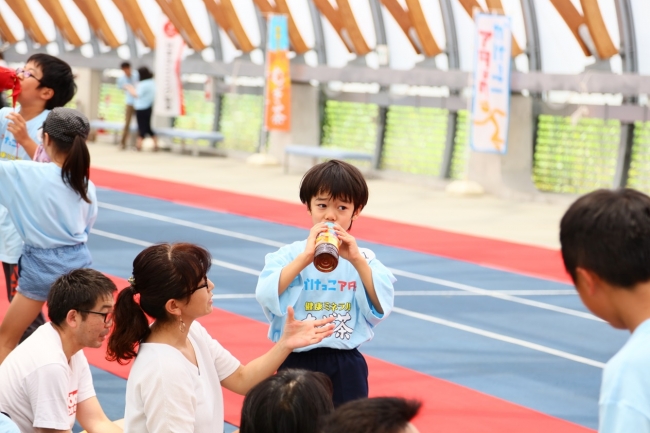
(134, 17)
(97, 22)
(61, 21)
(26, 17)
(175, 11)
(226, 17)
(495, 5)
(281, 7)
(5, 32)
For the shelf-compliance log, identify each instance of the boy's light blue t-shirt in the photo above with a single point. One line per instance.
(8, 143)
(46, 212)
(11, 243)
(146, 90)
(7, 425)
(316, 295)
(132, 80)
(624, 405)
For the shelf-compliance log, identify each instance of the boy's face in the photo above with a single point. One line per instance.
(326, 209)
(596, 293)
(30, 82)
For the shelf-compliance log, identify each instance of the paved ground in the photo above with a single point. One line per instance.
(532, 223)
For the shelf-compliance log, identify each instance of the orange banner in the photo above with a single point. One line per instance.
(277, 116)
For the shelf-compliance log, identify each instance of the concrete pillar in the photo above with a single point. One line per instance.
(89, 82)
(305, 126)
(509, 174)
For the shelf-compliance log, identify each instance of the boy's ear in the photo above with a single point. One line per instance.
(46, 93)
(588, 280)
(356, 213)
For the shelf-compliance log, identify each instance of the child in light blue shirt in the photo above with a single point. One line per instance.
(358, 293)
(53, 207)
(605, 237)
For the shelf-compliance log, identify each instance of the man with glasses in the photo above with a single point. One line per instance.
(46, 380)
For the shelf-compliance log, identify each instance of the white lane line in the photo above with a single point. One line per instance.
(500, 337)
(398, 310)
(506, 292)
(495, 294)
(191, 224)
(406, 274)
(134, 241)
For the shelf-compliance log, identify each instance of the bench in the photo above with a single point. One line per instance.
(115, 127)
(323, 152)
(187, 134)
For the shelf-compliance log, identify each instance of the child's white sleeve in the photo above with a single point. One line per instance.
(266, 291)
(383, 280)
(9, 183)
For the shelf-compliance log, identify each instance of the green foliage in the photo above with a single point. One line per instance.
(414, 140)
(350, 125)
(575, 158)
(241, 121)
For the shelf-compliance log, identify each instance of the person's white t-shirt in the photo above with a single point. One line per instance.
(39, 389)
(165, 392)
(624, 404)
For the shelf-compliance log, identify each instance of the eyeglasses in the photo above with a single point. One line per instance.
(204, 286)
(26, 74)
(108, 317)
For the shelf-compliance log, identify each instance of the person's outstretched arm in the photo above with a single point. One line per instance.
(296, 334)
(91, 416)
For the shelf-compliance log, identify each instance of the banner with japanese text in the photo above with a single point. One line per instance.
(277, 102)
(167, 70)
(491, 90)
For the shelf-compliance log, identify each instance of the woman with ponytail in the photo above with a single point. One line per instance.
(175, 383)
(53, 206)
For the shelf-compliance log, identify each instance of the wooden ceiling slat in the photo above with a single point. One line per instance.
(428, 41)
(132, 13)
(597, 29)
(97, 22)
(175, 11)
(26, 17)
(5, 32)
(61, 21)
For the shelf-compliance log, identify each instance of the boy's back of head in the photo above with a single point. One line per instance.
(58, 76)
(338, 179)
(373, 415)
(608, 233)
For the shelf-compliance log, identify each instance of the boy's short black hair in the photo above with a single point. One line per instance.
(57, 75)
(338, 179)
(125, 65)
(372, 415)
(145, 73)
(608, 233)
(77, 290)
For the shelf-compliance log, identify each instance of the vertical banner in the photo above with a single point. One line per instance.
(277, 100)
(491, 102)
(167, 70)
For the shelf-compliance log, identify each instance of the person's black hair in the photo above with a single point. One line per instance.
(160, 273)
(144, 73)
(292, 401)
(608, 233)
(80, 289)
(58, 76)
(372, 415)
(125, 65)
(338, 179)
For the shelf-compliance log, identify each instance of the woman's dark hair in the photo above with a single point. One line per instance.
(292, 401)
(372, 415)
(58, 76)
(144, 73)
(68, 130)
(338, 179)
(160, 273)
